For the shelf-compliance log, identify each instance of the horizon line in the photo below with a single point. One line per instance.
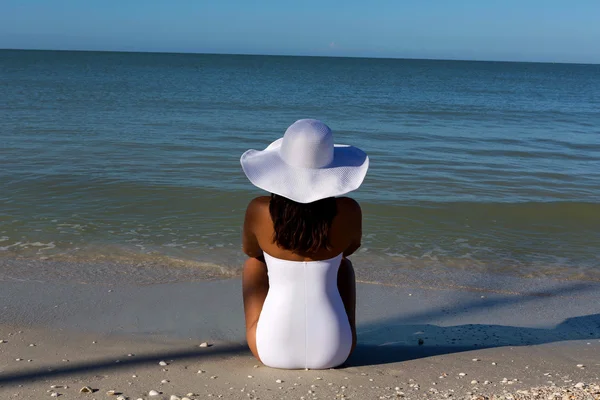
(299, 55)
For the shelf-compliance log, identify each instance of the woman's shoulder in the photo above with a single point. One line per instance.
(258, 205)
(349, 214)
(348, 204)
(259, 201)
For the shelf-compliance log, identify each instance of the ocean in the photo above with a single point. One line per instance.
(132, 159)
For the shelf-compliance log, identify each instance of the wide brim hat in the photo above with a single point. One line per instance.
(305, 165)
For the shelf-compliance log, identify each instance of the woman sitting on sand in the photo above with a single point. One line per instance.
(298, 285)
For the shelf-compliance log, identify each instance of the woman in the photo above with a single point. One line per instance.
(298, 285)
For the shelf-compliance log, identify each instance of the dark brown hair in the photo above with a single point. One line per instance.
(302, 228)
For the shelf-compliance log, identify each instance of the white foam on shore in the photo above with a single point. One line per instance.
(5, 248)
(25, 245)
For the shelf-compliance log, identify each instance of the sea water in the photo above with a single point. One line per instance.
(133, 158)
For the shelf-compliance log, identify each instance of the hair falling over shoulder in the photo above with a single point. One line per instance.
(299, 227)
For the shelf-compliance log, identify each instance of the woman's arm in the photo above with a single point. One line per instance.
(352, 216)
(354, 228)
(250, 244)
(255, 280)
(255, 286)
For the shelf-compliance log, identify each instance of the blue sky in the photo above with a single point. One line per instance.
(525, 30)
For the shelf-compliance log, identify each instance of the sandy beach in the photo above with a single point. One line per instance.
(454, 336)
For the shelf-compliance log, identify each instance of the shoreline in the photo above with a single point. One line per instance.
(153, 269)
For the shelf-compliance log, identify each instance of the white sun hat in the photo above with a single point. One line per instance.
(305, 165)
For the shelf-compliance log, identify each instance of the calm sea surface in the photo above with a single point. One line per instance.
(134, 158)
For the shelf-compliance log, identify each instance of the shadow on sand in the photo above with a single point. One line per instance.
(454, 339)
(397, 339)
(110, 364)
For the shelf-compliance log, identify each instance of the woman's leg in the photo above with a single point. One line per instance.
(347, 289)
(255, 286)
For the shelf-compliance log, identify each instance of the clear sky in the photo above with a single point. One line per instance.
(520, 30)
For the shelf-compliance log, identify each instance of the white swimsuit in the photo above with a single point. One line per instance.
(303, 322)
